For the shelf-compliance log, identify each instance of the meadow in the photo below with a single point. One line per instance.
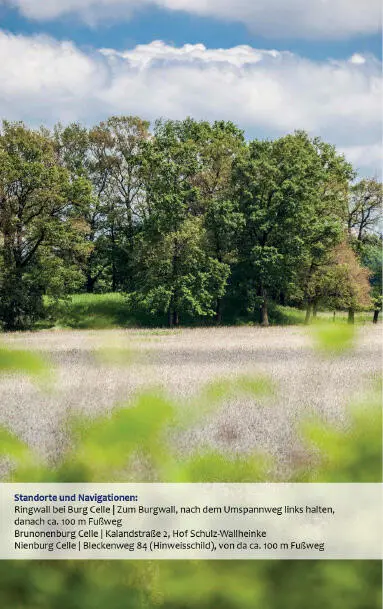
(92, 371)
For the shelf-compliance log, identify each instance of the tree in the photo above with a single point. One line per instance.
(342, 283)
(82, 156)
(123, 141)
(109, 156)
(364, 228)
(42, 232)
(178, 276)
(327, 226)
(291, 193)
(217, 147)
(176, 272)
(221, 145)
(365, 208)
(370, 253)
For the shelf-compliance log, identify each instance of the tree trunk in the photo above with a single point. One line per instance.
(333, 315)
(90, 281)
(114, 278)
(376, 316)
(309, 309)
(170, 317)
(114, 269)
(176, 321)
(264, 310)
(218, 311)
(315, 310)
(351, 316)
(15, 301)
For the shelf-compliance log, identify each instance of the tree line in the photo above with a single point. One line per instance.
(187, 218)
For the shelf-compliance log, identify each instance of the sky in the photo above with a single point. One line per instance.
(270, 66)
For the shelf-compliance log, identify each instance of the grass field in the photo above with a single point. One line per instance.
(102, 311)
(182, 362)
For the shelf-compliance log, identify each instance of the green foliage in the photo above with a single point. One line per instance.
(333, 338)
(355, 456)
(75, 584)
(365, 209)
(185, 237)
(21, 298)
(225, 389)
(11, 447)
(16, 360)
(272, 585)
(178, 276)
(217, 467)
(340, 282)
(41, 226)
(189, 220)
(370, 252)
(292, 193)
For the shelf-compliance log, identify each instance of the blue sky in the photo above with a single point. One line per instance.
(181, 28)
(271, 66)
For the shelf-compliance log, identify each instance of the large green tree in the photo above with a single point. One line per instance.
(176, 271)
(82, 154)
(327, 229)
(221, 145)
(109, 156)
(292, 195)
(42, 231)
(118, 146)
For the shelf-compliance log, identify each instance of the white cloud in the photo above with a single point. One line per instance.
(266, 93)
(357, 59)
(298, 18)
(43, 80)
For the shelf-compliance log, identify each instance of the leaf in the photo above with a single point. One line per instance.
(333, 338)
(15, 360)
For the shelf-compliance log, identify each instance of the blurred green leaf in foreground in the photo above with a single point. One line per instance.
(16, 360)
(333, 338)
